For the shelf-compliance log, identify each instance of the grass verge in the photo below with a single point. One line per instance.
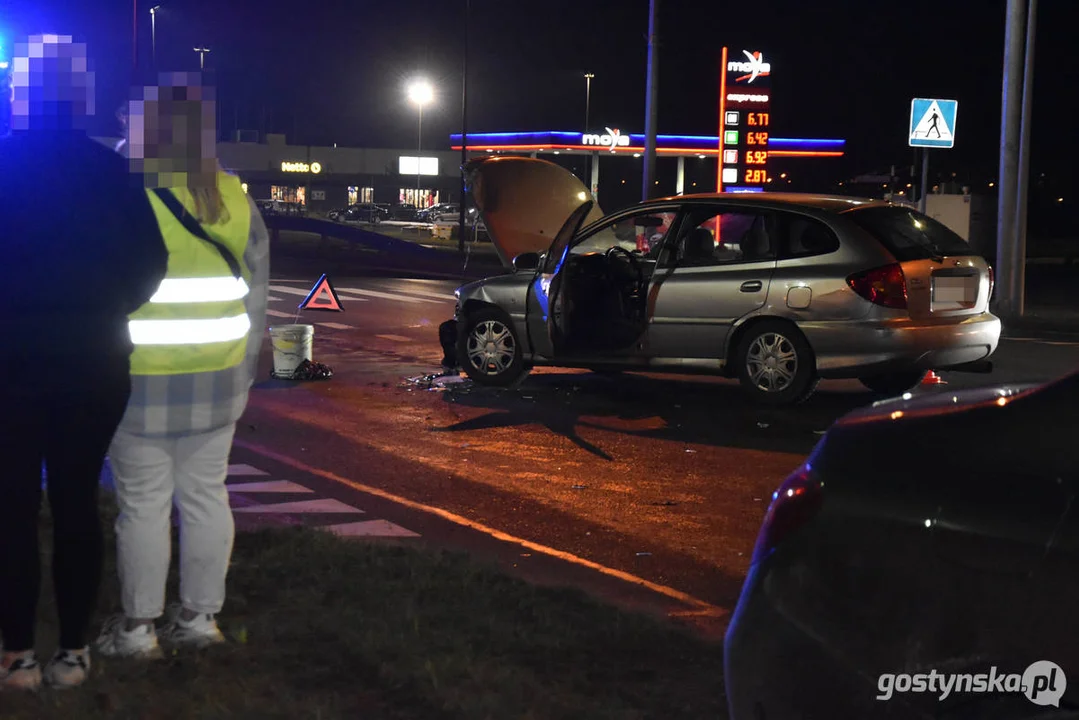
(322, 627)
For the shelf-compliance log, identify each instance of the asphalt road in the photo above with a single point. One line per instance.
(573, 477)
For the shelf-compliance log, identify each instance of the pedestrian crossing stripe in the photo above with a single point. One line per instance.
(321, 505)
(244, 471)
(270, 486)
(369, 528)
(334, 326)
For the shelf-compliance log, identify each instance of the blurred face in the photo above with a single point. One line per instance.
(172, 136)
(52, 86)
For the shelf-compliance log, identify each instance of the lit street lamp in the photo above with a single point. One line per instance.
(420, 93)
(153, 33)
(202, 56)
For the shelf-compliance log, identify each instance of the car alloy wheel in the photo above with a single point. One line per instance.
(491, 347)
(772, 362)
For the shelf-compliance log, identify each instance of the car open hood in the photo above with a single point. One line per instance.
(524, 202)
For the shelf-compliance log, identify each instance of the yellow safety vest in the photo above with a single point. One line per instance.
(196, 321)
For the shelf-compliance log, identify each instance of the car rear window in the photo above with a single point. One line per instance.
(907, 234)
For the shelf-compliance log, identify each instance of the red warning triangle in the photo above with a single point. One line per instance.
(322, 297)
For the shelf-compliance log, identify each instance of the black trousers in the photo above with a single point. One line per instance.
(69, 430)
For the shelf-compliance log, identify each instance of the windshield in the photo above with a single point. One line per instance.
(909, 235)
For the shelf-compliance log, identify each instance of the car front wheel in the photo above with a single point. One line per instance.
(776, 364)
(894, 383)
(489, 350)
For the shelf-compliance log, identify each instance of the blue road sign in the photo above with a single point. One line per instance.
(932, 123)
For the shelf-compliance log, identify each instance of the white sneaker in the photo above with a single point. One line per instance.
(199, 633)
(116, 640)
(68, 668)
(19, 671)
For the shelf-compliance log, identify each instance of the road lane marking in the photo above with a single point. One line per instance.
(270, 486)
(244, 471)
(271, 298)
(700, 605)
(385, 295)
(395, 338)
(301, 293)
(369, 528)
(427, 294)
(322, 505)
(335, 326)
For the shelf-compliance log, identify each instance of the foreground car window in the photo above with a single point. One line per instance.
(909, 235)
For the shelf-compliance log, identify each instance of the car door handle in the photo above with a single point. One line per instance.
(752, 286)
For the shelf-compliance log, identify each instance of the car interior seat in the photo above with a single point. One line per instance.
(699, 247)
(756, 245)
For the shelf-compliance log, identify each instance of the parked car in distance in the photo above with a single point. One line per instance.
(430, 214)
(872, 574)
(778, 290)
(363, 212)
(445, 212)
(403, 211)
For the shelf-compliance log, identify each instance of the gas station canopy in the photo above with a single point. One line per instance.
(613, 141)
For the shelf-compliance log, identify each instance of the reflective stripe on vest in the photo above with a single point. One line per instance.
(196, 321)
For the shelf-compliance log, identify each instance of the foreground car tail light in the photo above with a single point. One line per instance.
(992, 280)
(885, 286)
(795, 503)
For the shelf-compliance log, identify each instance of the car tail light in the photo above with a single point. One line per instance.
(992, 280)
(794, 504)
(885, 286)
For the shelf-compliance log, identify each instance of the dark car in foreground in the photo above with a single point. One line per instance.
(923, 563)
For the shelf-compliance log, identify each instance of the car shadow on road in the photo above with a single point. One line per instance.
(692, 410)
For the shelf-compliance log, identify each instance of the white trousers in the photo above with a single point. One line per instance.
(151, 474)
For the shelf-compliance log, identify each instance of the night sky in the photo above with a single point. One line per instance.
(326, 72)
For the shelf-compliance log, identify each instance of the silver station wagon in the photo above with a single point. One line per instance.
(777, 290)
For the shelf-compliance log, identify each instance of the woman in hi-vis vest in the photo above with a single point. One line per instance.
(196, 352)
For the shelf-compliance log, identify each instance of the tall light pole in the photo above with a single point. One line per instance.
(464, 132)
(587, 111)
(587, 98)
(1022, 189)
(202, 56)
(650, 104)
(1009, 265)
(420, 93)
(153, 33)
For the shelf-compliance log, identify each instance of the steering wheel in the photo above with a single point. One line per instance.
(634, 263)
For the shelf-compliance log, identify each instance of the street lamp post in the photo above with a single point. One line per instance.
(153, 33)
(202, 56)
(420, 93)
(587, 111)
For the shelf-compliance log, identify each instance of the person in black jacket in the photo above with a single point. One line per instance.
(80, 249)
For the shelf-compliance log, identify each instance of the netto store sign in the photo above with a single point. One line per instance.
(612, 139)
(300, 167)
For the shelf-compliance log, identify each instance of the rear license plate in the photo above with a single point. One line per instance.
(955, 291)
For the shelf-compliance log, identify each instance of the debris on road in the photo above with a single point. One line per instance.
(644, 554)
(579, 487)
(307, 371)
(763, 425)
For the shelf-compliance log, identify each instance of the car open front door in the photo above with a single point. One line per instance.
(545, 306)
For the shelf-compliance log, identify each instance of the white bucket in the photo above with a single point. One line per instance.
(291, 346)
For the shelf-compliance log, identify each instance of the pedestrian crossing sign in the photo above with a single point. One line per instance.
(932, 123)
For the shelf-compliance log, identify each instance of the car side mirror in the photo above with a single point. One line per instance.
(526, 261)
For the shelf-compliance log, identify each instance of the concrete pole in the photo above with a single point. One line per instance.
(649, 183)
(1011, 108)
(587, 112)
(680, 180)
(464, 132)
(924, 201)
(1022, 190)
(594, 189)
